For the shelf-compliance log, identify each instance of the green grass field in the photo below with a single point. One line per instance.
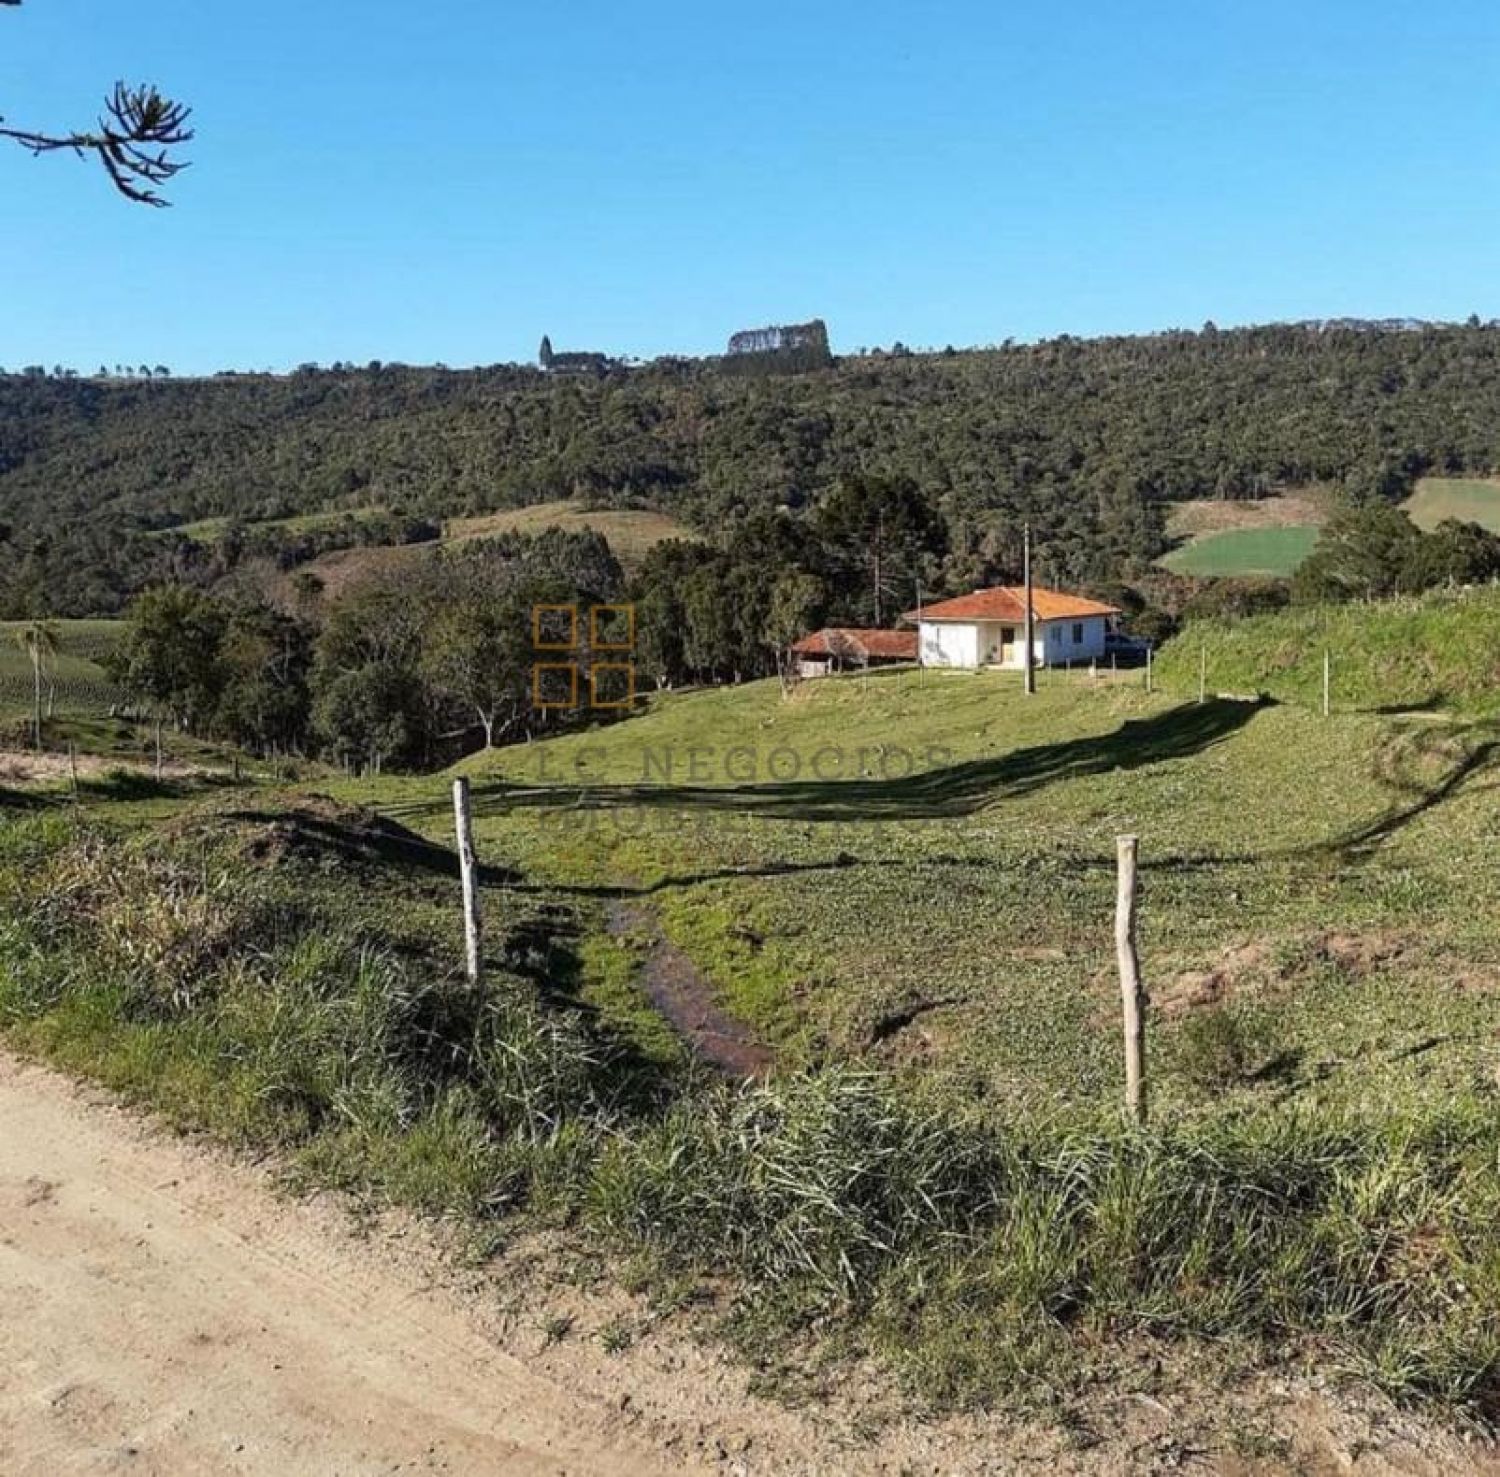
(904, 886)
(1432, 652)
(82, 688)
(978, 886)
(1273, 552)
(1468, 499)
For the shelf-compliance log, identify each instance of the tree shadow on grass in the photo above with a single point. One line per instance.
(24, 800)
(948, 791)
(1353, 844)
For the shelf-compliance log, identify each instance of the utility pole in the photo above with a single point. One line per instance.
(1027, 664)
(921, 663)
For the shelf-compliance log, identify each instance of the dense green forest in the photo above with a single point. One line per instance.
(1086, 438)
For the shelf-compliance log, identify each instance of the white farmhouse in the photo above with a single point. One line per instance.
(987, 629)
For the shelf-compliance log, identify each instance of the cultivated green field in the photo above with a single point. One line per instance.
(78, 683)
(1468, 499)
(1274, 552)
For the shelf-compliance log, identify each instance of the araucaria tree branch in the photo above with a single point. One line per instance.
(133, 139)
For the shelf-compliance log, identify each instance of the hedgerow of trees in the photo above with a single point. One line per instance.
(410, 673)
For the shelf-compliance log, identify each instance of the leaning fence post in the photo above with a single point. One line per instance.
(473, 936)
(1132, 993)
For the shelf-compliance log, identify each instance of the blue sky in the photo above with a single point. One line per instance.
(447, 180)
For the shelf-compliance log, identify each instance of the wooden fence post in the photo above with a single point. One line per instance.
(1132, 992)
(1148, 671)
(473, 933)
(1327, 681)
(1203, 673)
(73, 767)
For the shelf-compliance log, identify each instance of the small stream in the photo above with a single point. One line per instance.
(685, 999)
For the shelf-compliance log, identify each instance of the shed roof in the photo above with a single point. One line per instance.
(854, 641)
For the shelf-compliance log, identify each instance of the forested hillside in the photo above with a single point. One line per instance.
(1086, 438)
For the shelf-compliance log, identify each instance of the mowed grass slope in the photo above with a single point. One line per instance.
(1273, 552)
(82, 687)
(1468, 499)
(1315, 894)
(1245, 537)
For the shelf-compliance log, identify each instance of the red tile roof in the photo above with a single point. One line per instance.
(849, 642)
(1008, 603)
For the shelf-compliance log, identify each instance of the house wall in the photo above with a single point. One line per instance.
(978, 643)
(948, 644)
(1060, 648)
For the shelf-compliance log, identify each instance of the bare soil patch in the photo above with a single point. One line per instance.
(22, 768)
(1219, 515)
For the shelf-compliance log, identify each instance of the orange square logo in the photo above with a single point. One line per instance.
(615, 693)
(612, 627)
(546, 694)
(548, 625)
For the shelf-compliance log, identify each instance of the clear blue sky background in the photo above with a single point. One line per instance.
(448, 179)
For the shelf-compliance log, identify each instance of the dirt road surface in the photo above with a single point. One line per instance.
(163, 1313)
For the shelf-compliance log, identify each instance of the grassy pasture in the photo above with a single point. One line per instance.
(1250, 536)
(632, 532)
(1435, 652)
(1468, 499)
(905, 885)
(975, 891)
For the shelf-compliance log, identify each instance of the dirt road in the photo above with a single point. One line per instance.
(161, 1312)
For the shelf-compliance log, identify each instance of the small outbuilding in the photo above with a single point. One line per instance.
(835, 648)
(987, 629)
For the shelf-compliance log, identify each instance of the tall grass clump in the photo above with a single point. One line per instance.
(978, 1257)
(282, 1006)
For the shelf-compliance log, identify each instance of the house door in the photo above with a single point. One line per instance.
(1007, 645)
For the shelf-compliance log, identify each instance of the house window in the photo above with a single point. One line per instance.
(1077, 633)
